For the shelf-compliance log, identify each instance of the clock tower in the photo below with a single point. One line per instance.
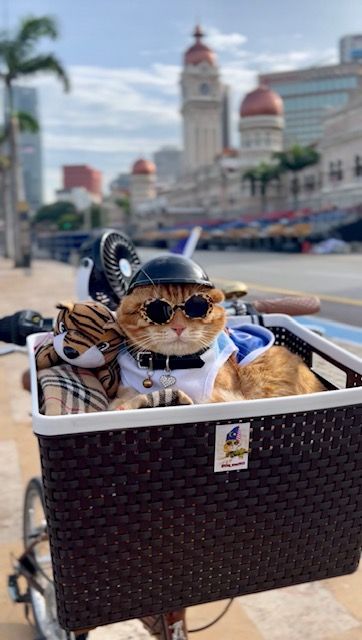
(201, 106)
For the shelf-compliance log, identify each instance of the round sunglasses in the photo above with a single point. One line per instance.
(160, 311)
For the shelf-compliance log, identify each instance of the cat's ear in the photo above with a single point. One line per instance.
(216, 295)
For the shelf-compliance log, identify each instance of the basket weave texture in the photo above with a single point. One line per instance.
(140, 524)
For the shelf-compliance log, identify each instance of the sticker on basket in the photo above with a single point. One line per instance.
(231, 446)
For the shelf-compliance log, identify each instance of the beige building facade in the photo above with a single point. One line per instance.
(201, 108)
(341, 155)
(217, 183)
(336, 181)
(142, 184)
(212, 179)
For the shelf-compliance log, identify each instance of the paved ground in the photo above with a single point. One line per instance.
(329, 610)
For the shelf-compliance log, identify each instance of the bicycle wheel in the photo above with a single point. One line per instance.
(43, 606)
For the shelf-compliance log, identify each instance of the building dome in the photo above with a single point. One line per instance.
(143, 167)
(199, 52)
(262, 102)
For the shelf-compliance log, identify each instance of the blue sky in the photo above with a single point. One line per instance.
(124, 58)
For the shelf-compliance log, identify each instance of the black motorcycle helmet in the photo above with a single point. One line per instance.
(169, 269)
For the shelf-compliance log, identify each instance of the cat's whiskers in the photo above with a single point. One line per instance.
(139, 345)
(142, 344)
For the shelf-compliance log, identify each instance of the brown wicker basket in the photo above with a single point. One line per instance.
(140, 523)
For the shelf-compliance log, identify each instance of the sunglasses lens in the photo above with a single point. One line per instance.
(159, 311)
(197, 307)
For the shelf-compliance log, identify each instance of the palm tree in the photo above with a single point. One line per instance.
(4, 167)
(27, 123)
(262, 175)
(295, 159)
(268, 173)
(252, 176)
(19, 59)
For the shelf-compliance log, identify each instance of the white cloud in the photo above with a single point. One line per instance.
(225, 42)
(269, 62)
(102, 144)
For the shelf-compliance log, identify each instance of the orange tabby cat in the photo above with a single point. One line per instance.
(277, 372)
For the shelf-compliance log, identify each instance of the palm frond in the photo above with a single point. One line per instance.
(32, 29)
(5, 43)
(27, 122)
(9, 59)
(296, 158)
(44, 64)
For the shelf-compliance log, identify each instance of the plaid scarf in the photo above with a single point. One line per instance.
(65, 389)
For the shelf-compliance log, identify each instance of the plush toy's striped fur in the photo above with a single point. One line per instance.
(85, 325)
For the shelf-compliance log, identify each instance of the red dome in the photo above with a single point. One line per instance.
(199, 52)
(262, 102)
(143, 167)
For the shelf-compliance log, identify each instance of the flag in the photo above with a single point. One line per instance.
(187, 246)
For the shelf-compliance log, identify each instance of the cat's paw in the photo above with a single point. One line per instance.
(167, 398)
(137, 402)
(182, 398)
(162, 398)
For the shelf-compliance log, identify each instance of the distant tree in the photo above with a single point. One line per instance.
(70, 221)
(124, 203)
(19, 58)
(4, 168)
(62, 215)
(260, 177)
(294, 160)
(251, 176)
(95, 216)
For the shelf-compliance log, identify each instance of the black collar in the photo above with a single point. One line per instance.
(150, 360)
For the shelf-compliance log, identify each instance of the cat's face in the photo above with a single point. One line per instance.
(181, 335)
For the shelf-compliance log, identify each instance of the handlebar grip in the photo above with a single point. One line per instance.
(21, 324)
(9, 331)
(292, 306)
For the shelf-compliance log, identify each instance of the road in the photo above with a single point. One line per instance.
(336, 279)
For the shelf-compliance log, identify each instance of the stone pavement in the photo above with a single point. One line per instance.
(328, 610)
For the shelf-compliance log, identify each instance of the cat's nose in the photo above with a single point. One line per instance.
(178, 328)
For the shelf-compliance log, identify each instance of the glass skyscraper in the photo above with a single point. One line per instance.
(26, 99)
(350, 48)
(310, 94)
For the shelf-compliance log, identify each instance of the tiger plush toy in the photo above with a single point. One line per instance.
(85, 335)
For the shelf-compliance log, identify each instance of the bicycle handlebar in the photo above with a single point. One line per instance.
(292, 306)
(17, 327)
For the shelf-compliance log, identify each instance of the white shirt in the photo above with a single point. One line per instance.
(249, 342)
(197, 383)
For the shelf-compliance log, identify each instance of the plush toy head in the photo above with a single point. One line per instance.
(85, 334)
